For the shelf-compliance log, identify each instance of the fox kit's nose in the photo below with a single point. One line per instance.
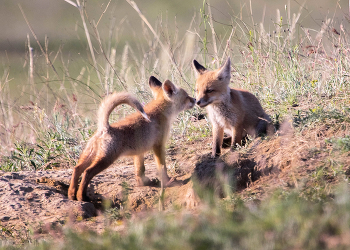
(199, 102)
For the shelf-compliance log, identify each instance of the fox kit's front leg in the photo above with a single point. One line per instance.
(159, 152)
(218, 137)
(141, 179)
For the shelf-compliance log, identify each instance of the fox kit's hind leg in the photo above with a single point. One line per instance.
(237, 135)
(83, 164)
(139, 164)
(270, 130)
(265, 126)
(99, 164)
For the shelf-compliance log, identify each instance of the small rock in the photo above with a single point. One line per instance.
(30, 196)
(26, 189)
(16, 206)
(5, 218)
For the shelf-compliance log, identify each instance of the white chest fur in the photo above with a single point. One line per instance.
(222, 115)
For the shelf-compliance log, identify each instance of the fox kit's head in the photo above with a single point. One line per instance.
(177, 96)
(212, 86)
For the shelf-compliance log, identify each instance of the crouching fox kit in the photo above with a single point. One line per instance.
(134, 135)
(235, 111)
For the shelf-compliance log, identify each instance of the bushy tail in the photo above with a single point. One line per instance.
(112, 101)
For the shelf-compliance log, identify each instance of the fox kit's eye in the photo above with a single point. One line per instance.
(209, 91)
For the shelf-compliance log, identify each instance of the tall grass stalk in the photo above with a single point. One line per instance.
(167, 51)
(81, 11)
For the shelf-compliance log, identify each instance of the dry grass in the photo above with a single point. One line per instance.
(287, 66)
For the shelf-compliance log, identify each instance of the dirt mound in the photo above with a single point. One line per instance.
(31, 199)
(25, 202)
(263, 164)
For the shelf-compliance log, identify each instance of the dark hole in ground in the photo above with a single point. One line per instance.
(233, 170)
(228, 140)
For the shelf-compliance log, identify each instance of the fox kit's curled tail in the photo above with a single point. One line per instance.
(112, 101)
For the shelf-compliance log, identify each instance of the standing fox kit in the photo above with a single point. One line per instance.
(235, 111)
(134, 135)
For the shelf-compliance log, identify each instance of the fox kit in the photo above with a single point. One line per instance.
(235, 111)
(134, 135)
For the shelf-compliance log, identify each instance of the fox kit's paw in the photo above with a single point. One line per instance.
(233, 148)
(72, 197)
(71, 194)
(83, 197)
(143, 181)
(214, 156)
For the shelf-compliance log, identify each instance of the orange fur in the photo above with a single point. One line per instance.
(234, 111)
(134, 135)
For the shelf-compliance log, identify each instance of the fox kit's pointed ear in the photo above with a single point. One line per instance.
(199, 69)
(155, 86)
(224, 73)
(169, 88)
(154, 82)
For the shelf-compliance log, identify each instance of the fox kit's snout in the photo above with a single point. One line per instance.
(235, 111)
(134, 135)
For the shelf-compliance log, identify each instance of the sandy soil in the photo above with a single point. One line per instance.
(37, 201)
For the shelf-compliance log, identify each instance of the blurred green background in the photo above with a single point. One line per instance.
(61, 22)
